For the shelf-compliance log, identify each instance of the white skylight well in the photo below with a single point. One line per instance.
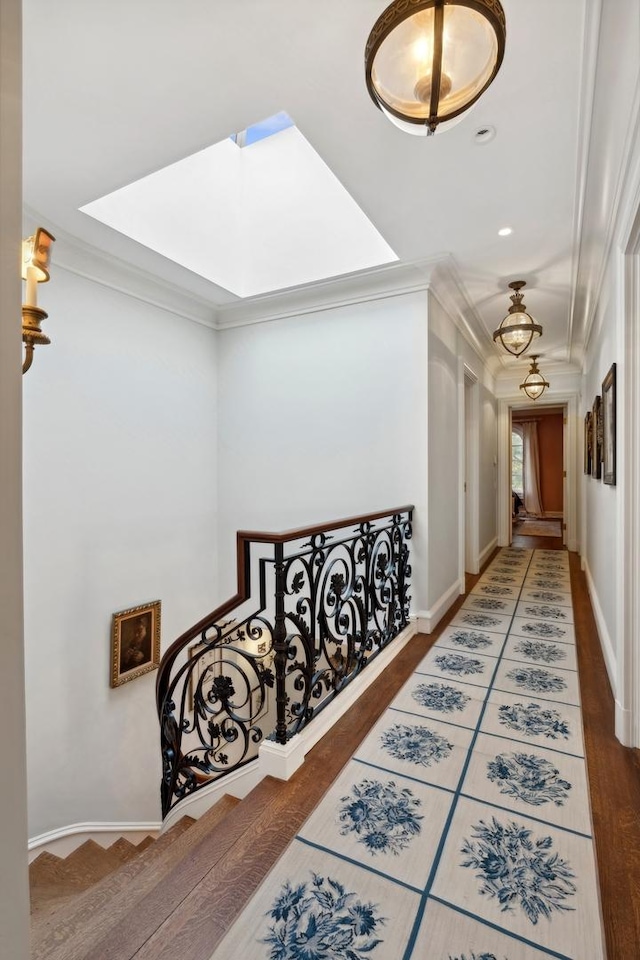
(258, 212)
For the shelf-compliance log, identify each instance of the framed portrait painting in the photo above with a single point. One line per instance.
(596, 439)
(587, 443)
(609, 426)
(135, 642)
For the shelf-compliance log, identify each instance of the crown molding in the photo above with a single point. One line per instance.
(450, 292)
(86, 261)
(377, 283)
(591, 36)
(616, 213)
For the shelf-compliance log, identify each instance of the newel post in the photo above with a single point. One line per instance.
(280, 645)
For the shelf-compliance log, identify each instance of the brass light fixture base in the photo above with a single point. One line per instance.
(32, 334)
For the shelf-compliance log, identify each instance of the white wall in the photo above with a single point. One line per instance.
(324, 416)
(120, 509)
(14, 890)
(488, 443)
(611, 208)
(602, 551)
(445, 475)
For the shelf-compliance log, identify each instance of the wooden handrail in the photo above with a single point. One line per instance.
(243, 539)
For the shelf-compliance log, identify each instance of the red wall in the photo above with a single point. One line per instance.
(550, 444)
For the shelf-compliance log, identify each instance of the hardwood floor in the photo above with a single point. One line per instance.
(209, 886)
(614, 771)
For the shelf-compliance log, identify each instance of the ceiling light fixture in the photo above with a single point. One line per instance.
(428, 61)
(534, 384)
(505, 232)
(518, 329)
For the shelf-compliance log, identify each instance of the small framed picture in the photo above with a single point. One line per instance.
(587, 443)
(596, 439)
(609, 426)
(135, 642)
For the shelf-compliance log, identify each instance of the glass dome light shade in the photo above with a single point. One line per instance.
(518, 329)
(517, 332)
(534, 384)
(428, 61)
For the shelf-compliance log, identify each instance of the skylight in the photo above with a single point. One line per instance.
(255, 213)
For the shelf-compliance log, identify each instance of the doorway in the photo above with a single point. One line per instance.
(572, 434)
(538, 471)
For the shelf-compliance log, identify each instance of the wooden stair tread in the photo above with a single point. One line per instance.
(57, 932)
(149, 840)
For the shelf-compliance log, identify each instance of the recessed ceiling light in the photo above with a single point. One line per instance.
(505, 232)
(484, 134)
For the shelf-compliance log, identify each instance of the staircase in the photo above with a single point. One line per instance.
(176, 898)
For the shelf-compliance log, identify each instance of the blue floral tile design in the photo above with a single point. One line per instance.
(471, 639)
(459, 665)
(547, 596)
(474, 956)
(544, 611)
(537, 680)
(440, 697)
(321, 920)
(384, 817)
(547, 583)
(542, 629)
(529, 778)
(419, 745)
(480, 620)
(519, 870)
(495, 590)
(534, 720)
(540, 650)
(488, 603)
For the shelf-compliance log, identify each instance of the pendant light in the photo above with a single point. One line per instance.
(534, 384)
(518, 329)
(428, 61)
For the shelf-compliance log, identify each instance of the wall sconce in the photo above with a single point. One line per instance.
(534, 384)
(36, 258)
(518, 329)
(428, 61)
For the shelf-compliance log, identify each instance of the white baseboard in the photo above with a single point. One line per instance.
(623, 725)
(65, 840)
(488, 550)
(603, 632)
(238, 784)
(429, 619)
(553, 514)
(282, 760)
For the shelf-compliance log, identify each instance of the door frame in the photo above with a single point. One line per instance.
(570, 454)
(469, 473)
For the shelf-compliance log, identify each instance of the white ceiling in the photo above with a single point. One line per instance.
(117, 89)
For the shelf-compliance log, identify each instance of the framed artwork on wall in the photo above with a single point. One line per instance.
(587, 442)
(609, 426)
(135, 642)
(596, 439)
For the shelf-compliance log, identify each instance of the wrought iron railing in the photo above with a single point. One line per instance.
(328, 599)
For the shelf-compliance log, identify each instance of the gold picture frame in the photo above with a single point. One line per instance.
(596, 439)
(135, 642)
(609, 426)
